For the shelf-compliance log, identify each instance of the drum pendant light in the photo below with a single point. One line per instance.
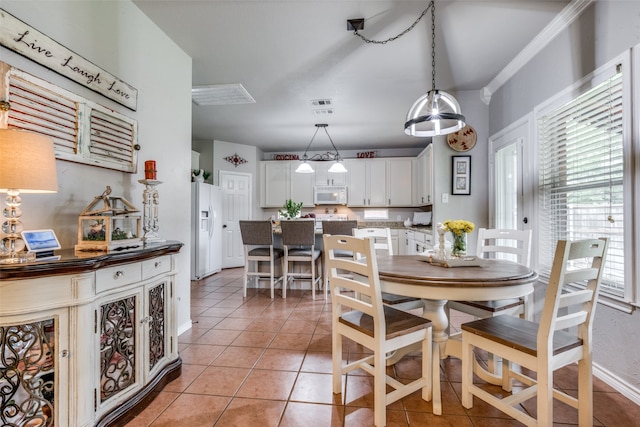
(437, 112)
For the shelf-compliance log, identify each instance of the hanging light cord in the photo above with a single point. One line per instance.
(390, 39)
(433, 45)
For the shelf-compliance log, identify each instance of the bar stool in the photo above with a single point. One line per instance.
(260, 234)
(298, 240)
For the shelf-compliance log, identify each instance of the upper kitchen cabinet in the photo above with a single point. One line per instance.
(324, 177)
(380, 182)
(279, 182)
(424, 177)
(399, 181)
(367, 182)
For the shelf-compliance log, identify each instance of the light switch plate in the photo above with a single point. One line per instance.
(445, 197)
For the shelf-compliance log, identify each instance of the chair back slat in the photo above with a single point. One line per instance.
(299, 232)
(570, 320)
(583, 274)
(256, 232)
(575, 297)
(344, 228)
(513, 245)
(581, 306)
(362, 279)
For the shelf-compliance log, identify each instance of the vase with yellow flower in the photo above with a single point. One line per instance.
(459, 228)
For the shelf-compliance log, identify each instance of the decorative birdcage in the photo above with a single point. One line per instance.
(108, 223)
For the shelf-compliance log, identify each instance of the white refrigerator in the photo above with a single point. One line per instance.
(206, 230)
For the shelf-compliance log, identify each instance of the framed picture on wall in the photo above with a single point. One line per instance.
(461, 175)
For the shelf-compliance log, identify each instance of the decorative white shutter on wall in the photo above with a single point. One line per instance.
(82, 131)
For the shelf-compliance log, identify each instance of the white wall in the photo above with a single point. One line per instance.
(252, 155)
(117, 37)
(474, 207)
(603, 31)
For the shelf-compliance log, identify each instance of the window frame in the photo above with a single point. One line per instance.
(631, 171)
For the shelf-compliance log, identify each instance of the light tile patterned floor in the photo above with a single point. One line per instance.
(257, 362)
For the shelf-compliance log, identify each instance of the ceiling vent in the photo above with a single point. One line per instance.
(225, 94)
(321, 102)
(323, 112)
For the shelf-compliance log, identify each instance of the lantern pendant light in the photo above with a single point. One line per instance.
(436, 112)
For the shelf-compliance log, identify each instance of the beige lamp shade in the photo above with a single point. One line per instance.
(27, 162)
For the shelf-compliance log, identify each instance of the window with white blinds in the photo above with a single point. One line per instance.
(581, 170)
(82, 131)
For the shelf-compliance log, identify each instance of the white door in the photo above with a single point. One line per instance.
(236, 205)
(510, 196)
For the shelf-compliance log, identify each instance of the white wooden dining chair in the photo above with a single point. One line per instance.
(562, 337)
(298, 239)
(337, 227)
(257, 239)
(384, 246)
(511, 245)
(374, 325)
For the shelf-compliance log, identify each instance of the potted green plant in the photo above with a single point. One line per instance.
(290, 209)
(200, 175)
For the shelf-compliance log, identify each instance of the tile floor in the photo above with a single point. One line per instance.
(257, 362)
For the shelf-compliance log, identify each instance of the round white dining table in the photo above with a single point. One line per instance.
(414, 276)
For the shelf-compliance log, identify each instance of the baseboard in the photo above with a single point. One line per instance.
(184, 327)
(627, 390)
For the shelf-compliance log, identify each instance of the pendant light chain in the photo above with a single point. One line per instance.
(436, 112)
(433, 45)
(390, 39)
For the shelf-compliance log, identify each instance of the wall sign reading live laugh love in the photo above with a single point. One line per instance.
(29, 42)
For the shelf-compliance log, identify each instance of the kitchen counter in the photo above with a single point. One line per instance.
(393, 225)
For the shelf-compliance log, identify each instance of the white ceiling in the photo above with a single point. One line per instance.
(287, 53)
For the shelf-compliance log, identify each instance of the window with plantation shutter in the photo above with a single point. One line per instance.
(581, 173)
(82, 131)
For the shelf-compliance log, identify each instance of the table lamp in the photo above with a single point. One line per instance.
(27, 165)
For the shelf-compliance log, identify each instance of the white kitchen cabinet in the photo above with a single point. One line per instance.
(399, 181)
(301, 186)
(324, 177)
(367, 182)
(280, 182)
(424, 176)
(275, 183)
(94, 336)
(401, 241)
(418, 241)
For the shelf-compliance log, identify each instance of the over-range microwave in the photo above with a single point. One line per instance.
(330, 195)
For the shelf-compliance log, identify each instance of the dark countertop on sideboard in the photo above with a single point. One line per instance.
(73, 262)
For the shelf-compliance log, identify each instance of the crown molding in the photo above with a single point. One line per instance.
(558, 24)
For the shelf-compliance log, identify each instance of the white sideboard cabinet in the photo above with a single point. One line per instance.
(87, 340)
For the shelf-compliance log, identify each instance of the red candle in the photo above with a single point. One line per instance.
(150, 169)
